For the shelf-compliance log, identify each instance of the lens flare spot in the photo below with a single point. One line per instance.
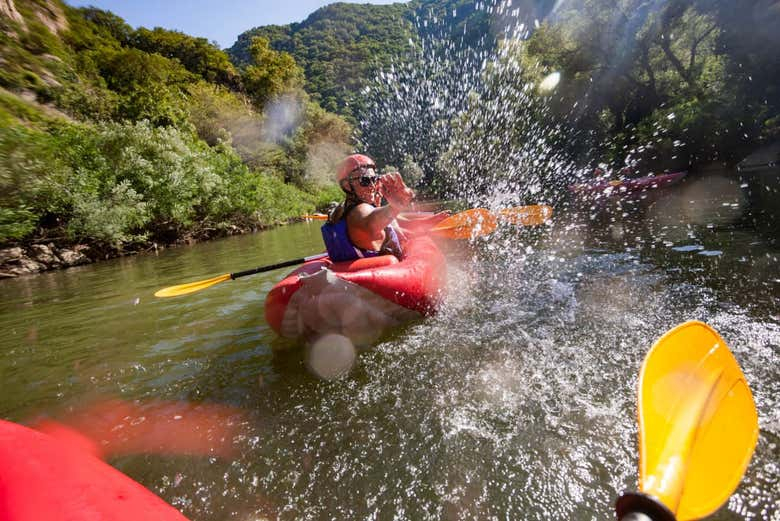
(550, 82)
(331, 356)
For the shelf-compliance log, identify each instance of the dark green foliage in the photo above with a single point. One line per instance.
(689, 80)
(749, 36)
(197, 55)
(117, 184)
(106, 24)
(270, 74)
(339, 46)
(150, 86)
(456, 20)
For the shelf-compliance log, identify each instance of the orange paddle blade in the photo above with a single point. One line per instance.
(315, 217)
(531, 215)
(466, 225)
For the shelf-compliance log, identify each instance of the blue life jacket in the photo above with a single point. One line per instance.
(340, 247)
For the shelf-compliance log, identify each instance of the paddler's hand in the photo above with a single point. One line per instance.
(396, 192)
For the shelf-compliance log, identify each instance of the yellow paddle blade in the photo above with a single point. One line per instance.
(531, 215)
(698, 425)
(191, 287)
(465, 225)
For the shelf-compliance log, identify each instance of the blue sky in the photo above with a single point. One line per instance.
(220, 21)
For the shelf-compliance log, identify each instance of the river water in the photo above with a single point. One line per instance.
(516, 401)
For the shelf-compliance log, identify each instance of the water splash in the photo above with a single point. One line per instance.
(468, 114)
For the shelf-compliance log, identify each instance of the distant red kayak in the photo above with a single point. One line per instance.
(626, 186)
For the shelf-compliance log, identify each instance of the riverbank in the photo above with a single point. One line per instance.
(41, 255)
(29, 259)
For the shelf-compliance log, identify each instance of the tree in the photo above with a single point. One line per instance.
(197, 55)
(270, 74)
(627, 65)
(150, 86)
(107, 24)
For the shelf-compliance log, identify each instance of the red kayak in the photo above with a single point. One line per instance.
(626, 186)
(42, 478)
(56, 472)
(358, 299)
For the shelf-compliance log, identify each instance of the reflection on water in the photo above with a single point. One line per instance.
(516, 401)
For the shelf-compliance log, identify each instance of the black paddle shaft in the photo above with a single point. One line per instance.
(635, 506)
(272, 267)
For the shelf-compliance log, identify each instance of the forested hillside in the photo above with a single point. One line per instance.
(119, 138)
(681, 81)
(339, 46)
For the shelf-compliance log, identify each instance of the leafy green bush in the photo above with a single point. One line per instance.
(271, 73)
(95, 24)
(327, 194)
(16, 223)
(24, 164)
(120, 183)
(110, 219)
(88, 102)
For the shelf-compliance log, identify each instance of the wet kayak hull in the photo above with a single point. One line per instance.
(358, 299)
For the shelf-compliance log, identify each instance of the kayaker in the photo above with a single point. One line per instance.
(361, 226)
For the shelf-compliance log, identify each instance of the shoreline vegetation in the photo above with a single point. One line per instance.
(115, 141)
(38, 257)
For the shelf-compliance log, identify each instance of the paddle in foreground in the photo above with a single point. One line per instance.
(698, 427)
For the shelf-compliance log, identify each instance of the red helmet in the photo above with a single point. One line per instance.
(353, 163)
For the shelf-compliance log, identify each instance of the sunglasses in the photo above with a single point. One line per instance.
(366, 179)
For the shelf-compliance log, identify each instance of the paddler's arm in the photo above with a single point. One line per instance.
(399, 198)
(421, 221)
(366, 223)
